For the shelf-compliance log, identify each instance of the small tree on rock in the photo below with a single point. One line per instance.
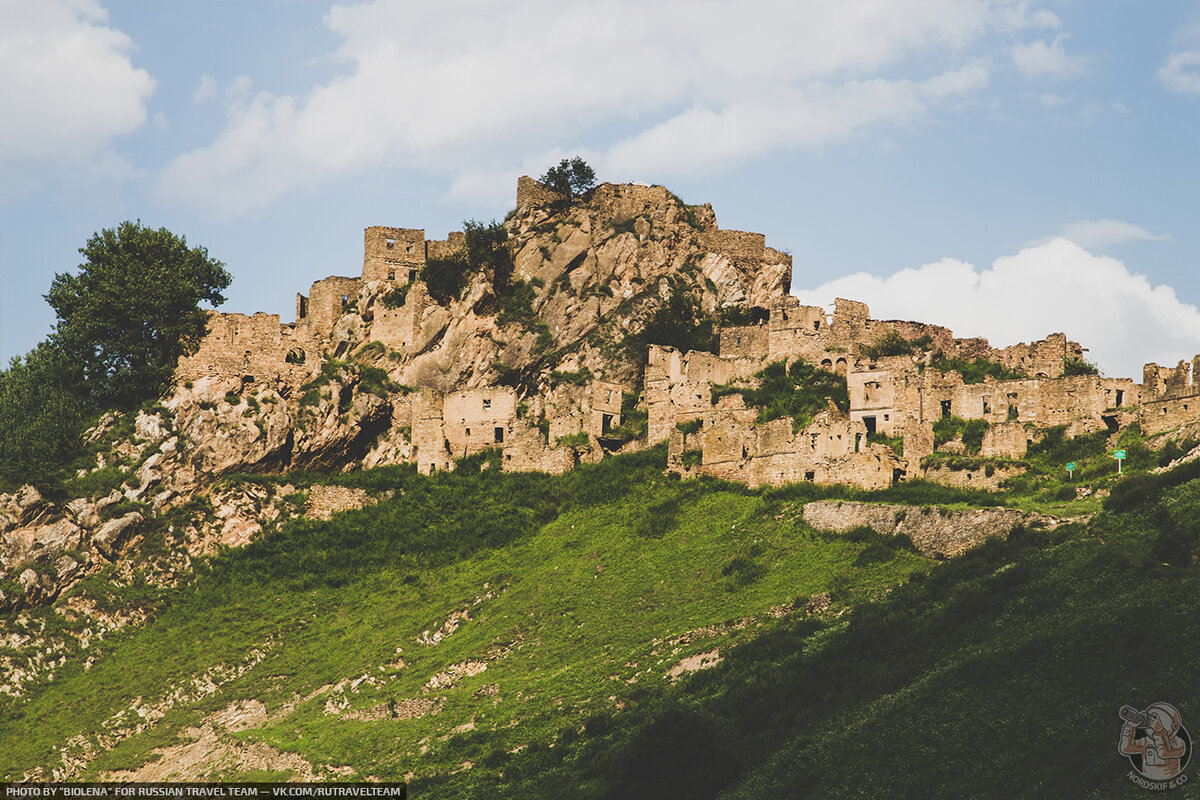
(570, 178)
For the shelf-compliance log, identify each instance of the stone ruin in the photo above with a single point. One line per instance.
(559, 425)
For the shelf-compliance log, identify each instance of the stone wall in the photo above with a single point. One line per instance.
(936, 532)
(988, 477)
(532, 193)
(741, 247)
(431, 448)
(324, 501)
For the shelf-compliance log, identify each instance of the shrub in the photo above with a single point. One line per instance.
(579, 377)
(971, 431)
(634, 421)
(975, 370)
(1079, 366)
(887, 344)
(691, 458)
(396, 297)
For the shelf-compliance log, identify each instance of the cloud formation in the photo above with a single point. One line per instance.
(1179, 74)
(685, 89)
(1053, 287)
(67, 85)
(1042, 58)
(1095, 233)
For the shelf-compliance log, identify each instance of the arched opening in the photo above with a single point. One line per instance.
(295, 356)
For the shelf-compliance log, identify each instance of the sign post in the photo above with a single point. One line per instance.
(1119, 455)
(1071, 470)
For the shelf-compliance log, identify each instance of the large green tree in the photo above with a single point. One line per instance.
(132, 309)
(41, 417)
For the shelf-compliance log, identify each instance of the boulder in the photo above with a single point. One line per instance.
(115, 533)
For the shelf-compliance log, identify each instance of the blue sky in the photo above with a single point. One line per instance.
(1008, 169)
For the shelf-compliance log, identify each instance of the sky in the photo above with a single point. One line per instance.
(1007, 169)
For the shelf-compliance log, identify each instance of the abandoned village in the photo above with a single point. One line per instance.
(549, 388)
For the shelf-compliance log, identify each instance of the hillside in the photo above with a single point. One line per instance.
(486, 632)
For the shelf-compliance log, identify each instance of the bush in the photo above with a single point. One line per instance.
(975, 370)
(971, 431)
(1079, 366)
(396, 297)
(887, 344)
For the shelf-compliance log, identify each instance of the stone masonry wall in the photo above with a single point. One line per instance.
(391, 254)
(936, 532)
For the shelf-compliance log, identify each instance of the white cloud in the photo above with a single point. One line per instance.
(1057, 286)
(1179, 75)
(1017, 16)
(689, 89)
(206, 90)
(1036, 59)
(67, 86)
(1096, 233)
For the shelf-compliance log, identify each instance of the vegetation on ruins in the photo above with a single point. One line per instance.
(889, 343)
(485, 251)
(974, 370)
(1079, 366)
(634, 420)
(571, 178)
(132, 310)
(953, 427)
(678, 323)
(799, 392)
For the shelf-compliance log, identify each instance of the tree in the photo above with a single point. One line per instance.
(132, 310)
(41, 418)
(570, 178)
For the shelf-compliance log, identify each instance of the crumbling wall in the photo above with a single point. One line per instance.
(256, 347)
(1043, 359)
(431, 448)
(832, 449)
(533, 193)
(741, 247)
(325, 501)
(327, 301)
(392, 254)
(527, 451)
(745, 341)
(679, 386)
(1005, 440)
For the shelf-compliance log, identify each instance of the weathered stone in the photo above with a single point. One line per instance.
(114, 533)
(935, 532)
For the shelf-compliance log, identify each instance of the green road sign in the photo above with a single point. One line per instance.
(1070, 466)
(1119, 454)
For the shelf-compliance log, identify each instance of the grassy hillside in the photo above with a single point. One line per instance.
(514, 635)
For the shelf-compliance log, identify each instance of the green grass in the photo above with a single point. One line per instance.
(997, 674)
(581, 581)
